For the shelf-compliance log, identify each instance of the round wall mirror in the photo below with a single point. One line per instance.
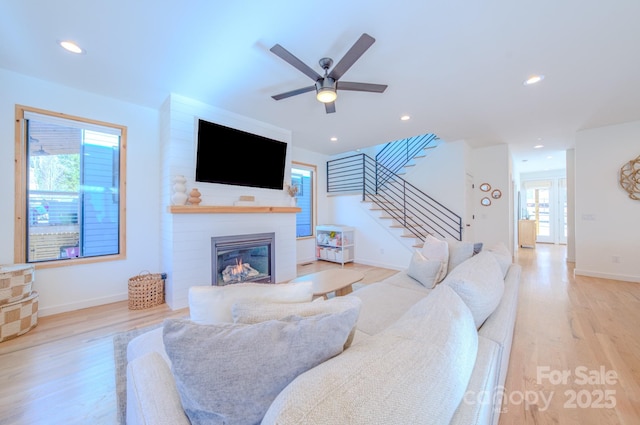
(496, 194)
(485, 201)
(485, 187)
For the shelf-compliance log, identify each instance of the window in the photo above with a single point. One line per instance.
(303, 176)
(70, 198)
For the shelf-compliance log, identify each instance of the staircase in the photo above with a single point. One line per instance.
(399, 202)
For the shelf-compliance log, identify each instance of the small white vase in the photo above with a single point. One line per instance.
(179, 198)
(294, 201)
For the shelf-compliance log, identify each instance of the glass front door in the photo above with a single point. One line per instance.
(546, 203)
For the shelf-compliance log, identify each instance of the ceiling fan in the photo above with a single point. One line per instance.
(327, 86)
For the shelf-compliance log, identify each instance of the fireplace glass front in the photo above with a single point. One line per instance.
(243, 258)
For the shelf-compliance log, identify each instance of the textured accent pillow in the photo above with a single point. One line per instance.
(425, 271)
(230, 373)
(251, 312)
(212, 304)
(459, 252)
(479, 282)
(436, 249)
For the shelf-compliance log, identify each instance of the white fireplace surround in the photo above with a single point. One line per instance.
(186, 238)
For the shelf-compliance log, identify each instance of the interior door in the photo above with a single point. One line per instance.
(546, 203)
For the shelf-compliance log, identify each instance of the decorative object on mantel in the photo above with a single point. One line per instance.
(194, 197)
(179, 196)
(245, 201)
(630, 178)
(292, 190)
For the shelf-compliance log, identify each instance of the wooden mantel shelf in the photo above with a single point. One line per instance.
(230, 209)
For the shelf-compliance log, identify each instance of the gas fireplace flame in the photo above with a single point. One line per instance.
(238, 268)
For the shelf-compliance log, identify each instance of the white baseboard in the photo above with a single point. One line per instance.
(621, 277)
(379, 264)
(64, 308)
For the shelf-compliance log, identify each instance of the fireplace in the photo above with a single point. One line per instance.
(243, 258)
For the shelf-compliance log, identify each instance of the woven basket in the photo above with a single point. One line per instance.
(146, 290)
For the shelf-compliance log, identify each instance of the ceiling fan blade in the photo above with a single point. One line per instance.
(293, 93)
(364, 42)
(295, 62)
(347, 85)
(330, 107)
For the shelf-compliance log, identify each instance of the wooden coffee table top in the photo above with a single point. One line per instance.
(332, 280)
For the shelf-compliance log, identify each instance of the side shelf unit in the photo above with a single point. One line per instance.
(335, 243)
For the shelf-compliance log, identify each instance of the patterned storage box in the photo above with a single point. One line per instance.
(15, 282)
(19, 317)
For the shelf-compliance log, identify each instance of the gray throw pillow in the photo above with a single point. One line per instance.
(230, 373)
(251, 312)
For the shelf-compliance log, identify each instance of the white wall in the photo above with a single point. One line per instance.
(72, 287)
(607, 230)
(442, 175)
(375, 243)
(494, 223)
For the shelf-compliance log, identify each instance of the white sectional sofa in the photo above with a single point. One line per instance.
(420, 355)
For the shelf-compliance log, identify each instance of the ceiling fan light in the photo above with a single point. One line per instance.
(326, 95)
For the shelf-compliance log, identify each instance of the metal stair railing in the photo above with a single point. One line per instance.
(396, 155)
(416, 211)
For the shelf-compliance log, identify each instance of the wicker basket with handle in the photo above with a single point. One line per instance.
(146, 290)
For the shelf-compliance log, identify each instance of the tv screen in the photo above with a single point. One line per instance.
(229, 156)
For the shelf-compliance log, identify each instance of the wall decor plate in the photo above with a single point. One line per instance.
(630, 178)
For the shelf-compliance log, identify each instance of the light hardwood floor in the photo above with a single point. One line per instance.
(62, 371)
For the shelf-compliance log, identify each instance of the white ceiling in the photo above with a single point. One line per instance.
(455, 66)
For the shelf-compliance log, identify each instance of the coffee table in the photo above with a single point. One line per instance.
(332, 280)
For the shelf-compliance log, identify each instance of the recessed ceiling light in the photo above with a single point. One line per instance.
(538, 146)
(405, 118)
(549, 157)
(71, 46)
(334, 139)
(533, 80)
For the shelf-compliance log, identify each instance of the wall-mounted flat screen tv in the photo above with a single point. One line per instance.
(229, 156)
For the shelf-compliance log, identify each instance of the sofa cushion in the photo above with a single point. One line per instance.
(230, 373)
(251, 312)
(427, 272)
(416, 371)
(383, 303)
(152, 396)
(212, 304)
(479, 282)
(459, 252)
(436, 250)
(502, 254)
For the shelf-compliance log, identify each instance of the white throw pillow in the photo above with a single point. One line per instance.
(436, 249)
(427, 272)
(479, 282)
(459, 252)
(251, 312)
(212, 304)
(230, 372)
